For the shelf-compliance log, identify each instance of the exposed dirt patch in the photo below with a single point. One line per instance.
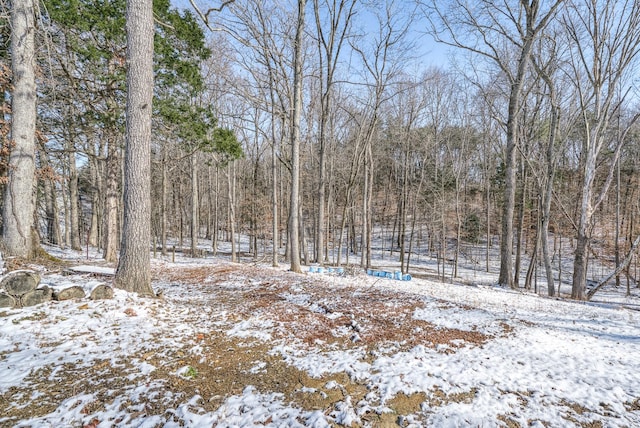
(215, 365)
(577, 412)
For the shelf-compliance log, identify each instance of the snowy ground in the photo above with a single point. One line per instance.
(242, 344)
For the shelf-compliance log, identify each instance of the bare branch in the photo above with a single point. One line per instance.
(205, 15)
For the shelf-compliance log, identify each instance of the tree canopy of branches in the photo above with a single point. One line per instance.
(320, 133)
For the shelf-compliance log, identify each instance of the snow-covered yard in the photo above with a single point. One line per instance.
(241, 344)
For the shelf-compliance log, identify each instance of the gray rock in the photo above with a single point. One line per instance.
(36, 297)
(20, 282)
(73, 292)
(101, 291)
(6, 301)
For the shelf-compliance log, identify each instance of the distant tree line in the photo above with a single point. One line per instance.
(315, 129)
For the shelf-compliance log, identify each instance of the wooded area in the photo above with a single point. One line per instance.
(322, 131)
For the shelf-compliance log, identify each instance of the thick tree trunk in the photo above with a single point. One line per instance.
(19, 237)
(506, 244)
(134, 268)
(578, 290)
(579, 286)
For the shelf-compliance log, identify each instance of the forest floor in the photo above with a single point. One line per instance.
(244, 345)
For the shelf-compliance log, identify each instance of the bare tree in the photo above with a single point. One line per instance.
(294, 207)
(485, 29)
(547, 66)
(134, 267)
(264, 32)
(604, 37)
(330, 42)
(382, 62)
(18, 234)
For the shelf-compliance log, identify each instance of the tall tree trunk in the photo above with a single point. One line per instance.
(274, 199)
(364, 213)
(329, 46)
(195, 199)
(367, 198)
(164, 188)
(134, 268)
(520, 225)
(232, 213)
(456, 255)
(294, 220)
(579, 286)
(216, 217)
(534, 254)
(548, 194)
(50, 202)
(18, 235)
(74, 202)
(506, 244)
(97, 197)
(617, 232)
(488, 220)
(111, 215)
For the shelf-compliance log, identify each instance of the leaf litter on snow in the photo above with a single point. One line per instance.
(234, 345)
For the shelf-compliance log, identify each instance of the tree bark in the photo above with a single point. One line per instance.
(194, 204)
(274, 198)
(19, 206)
(54, 235)
(232, 213)
(74, 212)
(506, 244)
(134, 268)
(294, 219)
(111, 215)
(164, 188)
(547, 196)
